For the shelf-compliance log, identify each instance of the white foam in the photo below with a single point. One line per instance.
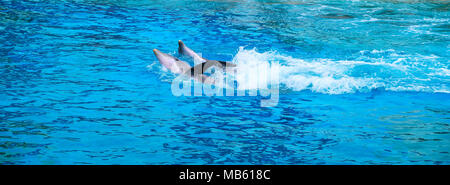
(440, 72)
(335, 77)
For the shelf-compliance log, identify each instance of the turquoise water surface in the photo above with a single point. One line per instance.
(361, 82)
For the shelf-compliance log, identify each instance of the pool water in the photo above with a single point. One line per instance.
(361, 82)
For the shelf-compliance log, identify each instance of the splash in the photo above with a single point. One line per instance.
(377, 69)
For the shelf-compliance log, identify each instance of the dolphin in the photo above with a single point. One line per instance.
(178, 66)
(184, 50)
(175, 65)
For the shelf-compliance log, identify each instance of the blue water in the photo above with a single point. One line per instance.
(362, 82)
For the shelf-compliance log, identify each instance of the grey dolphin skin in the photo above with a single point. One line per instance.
(184, 50)
(177, 66)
